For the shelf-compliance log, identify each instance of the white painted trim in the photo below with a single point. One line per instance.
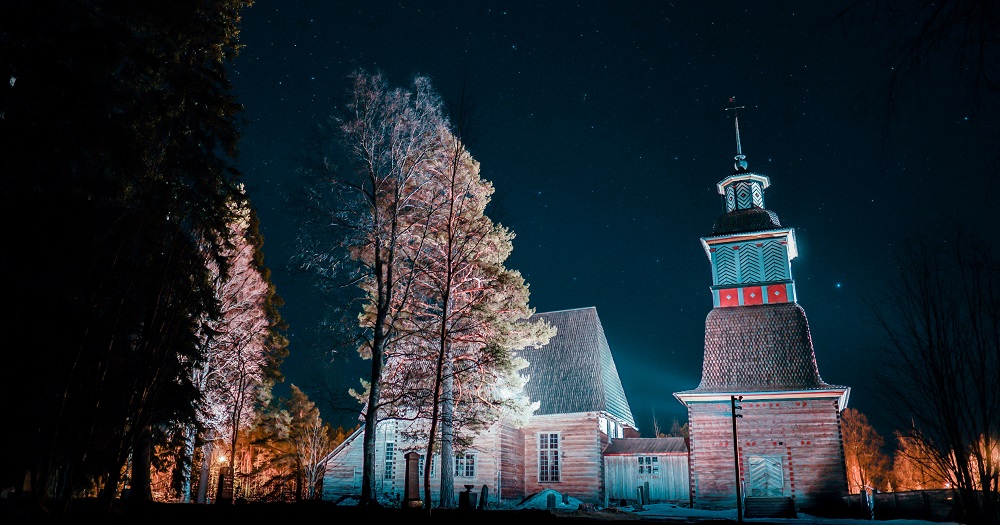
(714, 397)
(762, 179)
(793, 249)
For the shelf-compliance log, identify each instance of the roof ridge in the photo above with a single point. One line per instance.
(567, 310)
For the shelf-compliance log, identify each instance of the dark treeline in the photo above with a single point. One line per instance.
(118, 139)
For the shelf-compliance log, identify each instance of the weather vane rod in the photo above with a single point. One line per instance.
(739, 150)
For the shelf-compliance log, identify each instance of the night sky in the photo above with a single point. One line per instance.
(603, 128)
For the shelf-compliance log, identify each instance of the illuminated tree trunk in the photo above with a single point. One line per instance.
(206, 469)
(187, 463)
(447, 437)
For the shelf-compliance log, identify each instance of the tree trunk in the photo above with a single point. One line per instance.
(447, 436)
(368, 496)
(142, 461)
(110, 490)
(206, 466)
(432, 434)
(187, 463)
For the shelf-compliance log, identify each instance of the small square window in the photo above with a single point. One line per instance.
(649, 464)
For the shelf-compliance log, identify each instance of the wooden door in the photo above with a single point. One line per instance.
(765, 476)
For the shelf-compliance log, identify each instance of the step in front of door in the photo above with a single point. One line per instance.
(758, 507)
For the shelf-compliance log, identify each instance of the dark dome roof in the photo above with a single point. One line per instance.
(746, 220)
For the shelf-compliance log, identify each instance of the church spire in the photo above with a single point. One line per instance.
(740, 166)
(743, 189)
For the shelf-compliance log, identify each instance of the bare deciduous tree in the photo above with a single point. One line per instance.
(942, 319)
(389, 138)
(913, 467)
(930, 41)
(471, 312)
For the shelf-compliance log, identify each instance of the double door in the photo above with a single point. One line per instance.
(765, 477)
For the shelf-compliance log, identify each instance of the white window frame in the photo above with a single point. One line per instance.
(649, 464)
(466, 465)
(389, 472)
(549, 455)
(420, 465)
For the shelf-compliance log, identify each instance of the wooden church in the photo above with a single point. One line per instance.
(582, 409)
(759, 362)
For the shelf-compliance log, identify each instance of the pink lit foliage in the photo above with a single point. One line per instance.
(392, 138)
(231, 376)
(453, 364)
(310, 438)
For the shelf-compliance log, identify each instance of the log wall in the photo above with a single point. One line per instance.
(511, 480)
(343, 471)
(580, 447)
(804, 433)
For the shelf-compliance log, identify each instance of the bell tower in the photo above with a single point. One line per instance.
(758, 349)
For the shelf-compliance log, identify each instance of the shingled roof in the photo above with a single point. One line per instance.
(758, 348)
(575, 371)
(639, 446)
(746, 220)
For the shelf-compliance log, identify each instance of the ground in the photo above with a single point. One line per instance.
(533, 511)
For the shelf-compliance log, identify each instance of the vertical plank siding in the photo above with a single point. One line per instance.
(670, 484)
(578, 359)
(339, 477)
(803, 433)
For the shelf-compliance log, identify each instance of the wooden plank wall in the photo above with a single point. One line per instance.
(511, 480)
(805, 433)
(339, 479)
(622, 478)
(581, 463)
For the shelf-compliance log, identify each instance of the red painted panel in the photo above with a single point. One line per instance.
(729, 297)
(776, 293)
(752, 295)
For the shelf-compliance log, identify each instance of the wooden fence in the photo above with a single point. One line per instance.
(933, 505)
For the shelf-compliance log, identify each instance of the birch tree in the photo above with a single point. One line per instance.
(389, 138)
(311, 439)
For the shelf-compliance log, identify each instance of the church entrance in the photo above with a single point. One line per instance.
(765, 476)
